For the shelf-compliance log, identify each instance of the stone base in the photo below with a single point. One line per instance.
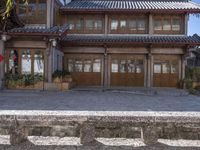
(18, 135)
(64, 86)
(149, 135)
(1, 85)
(87, 134)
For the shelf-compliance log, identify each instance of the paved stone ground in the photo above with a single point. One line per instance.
(14, 102)
(96, 101)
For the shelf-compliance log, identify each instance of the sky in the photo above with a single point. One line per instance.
(194, 23)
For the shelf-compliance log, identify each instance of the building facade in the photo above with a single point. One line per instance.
(107, 43)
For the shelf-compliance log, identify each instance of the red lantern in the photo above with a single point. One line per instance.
(1, 58)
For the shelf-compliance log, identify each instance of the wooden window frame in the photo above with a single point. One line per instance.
(127, 30)
(82, 59)
(32, 52)
(171, 17)
(84, 30)
(126, 64)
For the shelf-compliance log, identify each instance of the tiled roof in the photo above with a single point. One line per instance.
(131, 5)
(39, 31)
(195, 39)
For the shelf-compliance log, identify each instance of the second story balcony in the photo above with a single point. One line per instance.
(128, 16)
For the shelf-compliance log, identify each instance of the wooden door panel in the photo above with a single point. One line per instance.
(86, 77)
(164, 79)
(127, 78)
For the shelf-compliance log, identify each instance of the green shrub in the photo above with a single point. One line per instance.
(59, 73)
(188, 83)
(22, 80)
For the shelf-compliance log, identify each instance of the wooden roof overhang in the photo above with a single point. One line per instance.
(54, 32)
(146, 11)
(187, 41)
(143, 44)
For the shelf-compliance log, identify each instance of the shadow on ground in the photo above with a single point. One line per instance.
(98, 146)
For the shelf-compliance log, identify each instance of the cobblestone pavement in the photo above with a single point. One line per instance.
(96, 101)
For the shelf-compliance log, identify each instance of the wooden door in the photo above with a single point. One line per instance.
(127, 70)
(166, 70)
(85, 69)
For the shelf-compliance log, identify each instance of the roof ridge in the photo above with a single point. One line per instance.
(140, 0)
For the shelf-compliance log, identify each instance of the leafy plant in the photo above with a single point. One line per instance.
(188, 83)
(59, 73)
(22, 80)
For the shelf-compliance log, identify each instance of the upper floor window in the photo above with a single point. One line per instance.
(85, 24)
(167, 24)
(126, 25)
(33, 13)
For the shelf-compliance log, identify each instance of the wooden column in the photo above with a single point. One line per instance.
(145, 71)
(186, 24)
(106, 24)
(183, 60)
(2, 64)
(149, 70)
(49, 65)
(50, 16)
(105, 69)
(150, 24)
(109, 69)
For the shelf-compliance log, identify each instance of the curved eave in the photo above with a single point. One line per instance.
(134, 43)
(33, 34)
(130, 10)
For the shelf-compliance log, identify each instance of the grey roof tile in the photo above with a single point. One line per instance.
(58, 30)
(195, 39)
(131, 5)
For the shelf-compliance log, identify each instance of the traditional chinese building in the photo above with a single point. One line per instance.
(131, 43)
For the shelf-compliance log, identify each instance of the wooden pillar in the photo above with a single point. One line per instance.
(150, 24)
(183, 66)
(50, 13)
(152, 69)
(109, 69)
(2, 64)
(106, 70)
(145, 70)
(106, 25)
(180, 68)
(186, 24)
(149, 70)
(49, 64)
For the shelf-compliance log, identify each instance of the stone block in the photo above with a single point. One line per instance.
(18, 135)
(51, 86)
(65, 86)
(87, 133)
(149, 135)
